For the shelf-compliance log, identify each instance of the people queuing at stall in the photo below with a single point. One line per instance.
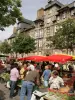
(31, 73)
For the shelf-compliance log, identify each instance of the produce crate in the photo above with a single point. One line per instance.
(57, 95)
(4, 77)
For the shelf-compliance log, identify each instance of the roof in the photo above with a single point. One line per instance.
(27, 21)
(71, 5)
(25, 24)
(52, 3)
(39, 20)
(12, 36)
(29, 28)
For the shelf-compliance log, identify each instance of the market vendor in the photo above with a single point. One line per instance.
(55, 81)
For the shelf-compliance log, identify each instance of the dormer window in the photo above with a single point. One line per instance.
(64, 15)
(72, 12)
(58, 18)
(74, 4)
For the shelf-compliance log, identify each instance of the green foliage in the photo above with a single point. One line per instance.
(5, 76)
(5, 47)
(64, 38)
(23, 44)
(9, 12)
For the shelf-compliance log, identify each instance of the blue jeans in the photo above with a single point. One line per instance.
(27, 86)
(45, 83)
(12, 88)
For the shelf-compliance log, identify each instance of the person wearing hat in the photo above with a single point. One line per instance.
(30, 80)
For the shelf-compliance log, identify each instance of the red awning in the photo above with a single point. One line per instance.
(58, 58)
(33, 58)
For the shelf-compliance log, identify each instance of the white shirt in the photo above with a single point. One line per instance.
(56, 82)
(74, 67)
(56, 65)
(31, 67)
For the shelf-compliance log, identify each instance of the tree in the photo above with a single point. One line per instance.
(5, 47)
(9, 12)
(23, 44)
(64, 38)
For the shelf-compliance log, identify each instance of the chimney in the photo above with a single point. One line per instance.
(40, 13)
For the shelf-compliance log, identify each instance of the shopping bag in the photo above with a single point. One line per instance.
(33, 97)
(8, 84)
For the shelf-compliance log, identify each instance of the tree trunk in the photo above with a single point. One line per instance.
(72, 52)
(22, 55)
(67, 50)
(16, 55)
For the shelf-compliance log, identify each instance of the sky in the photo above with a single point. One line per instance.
(29, 10)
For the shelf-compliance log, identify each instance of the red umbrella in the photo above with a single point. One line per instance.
(58, 58)
(20, 59)
(33, 58)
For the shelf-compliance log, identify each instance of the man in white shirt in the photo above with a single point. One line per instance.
(55, 81)
(31, 66)
(56, 65)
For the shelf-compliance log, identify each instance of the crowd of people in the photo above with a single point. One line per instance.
(33, 75)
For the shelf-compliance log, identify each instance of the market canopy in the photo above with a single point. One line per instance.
(54, 58)
(58, 58)
(33, 58)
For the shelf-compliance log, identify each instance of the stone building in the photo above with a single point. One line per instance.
(46, 24)
(11, 38)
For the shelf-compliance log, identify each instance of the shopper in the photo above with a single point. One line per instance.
(14, 75)
(31, 79)
(46, 75)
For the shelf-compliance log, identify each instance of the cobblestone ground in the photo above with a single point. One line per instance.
(4, 93)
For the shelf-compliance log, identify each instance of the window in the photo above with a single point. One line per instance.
(64, 15)
(36, 34)
(54, 18)
(72, 12)
(56, 28)
(48, 30)
(36, 43)
(40, 43)
(41, 33)
(51, 31)
(58, 18)
(48, 20)
(50, 11)
(74, 4)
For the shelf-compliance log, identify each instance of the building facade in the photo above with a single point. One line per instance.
(45, 24)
